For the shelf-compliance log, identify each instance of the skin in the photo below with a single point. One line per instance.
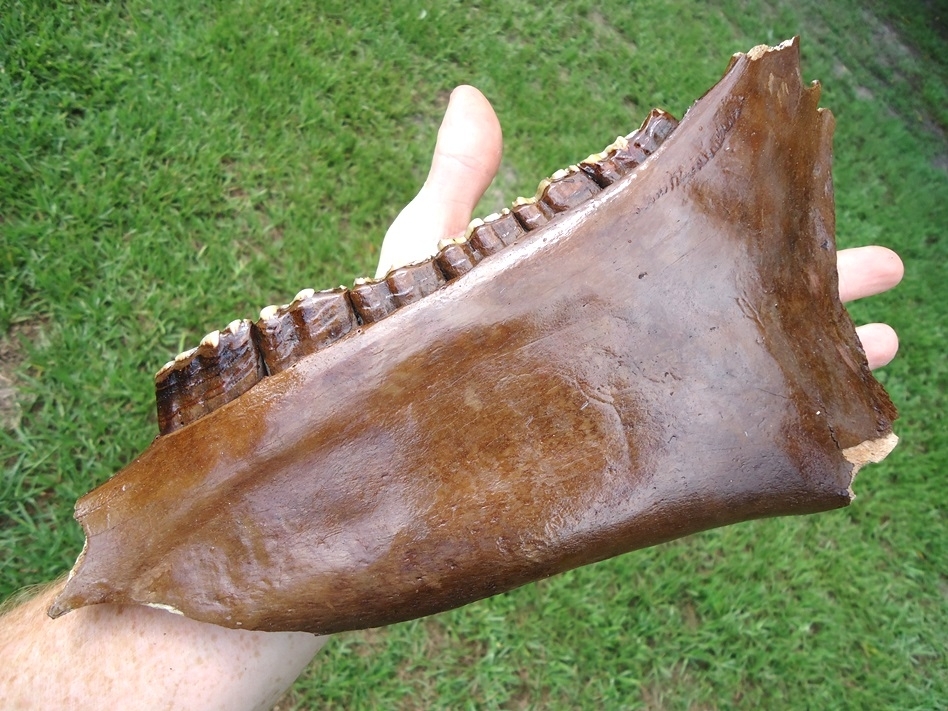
(136, 657)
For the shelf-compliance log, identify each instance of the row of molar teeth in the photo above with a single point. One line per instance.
(273, 310)
(533, 212)
(494, 232)
(371, 300)
(374, 299)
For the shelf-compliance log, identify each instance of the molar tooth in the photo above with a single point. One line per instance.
(497, 231)
(484, 240)
(414, 282)
(224, 366)
(442, 243)
(617, 163)
(531, 213)
(595, 157)
(621, 143)
(313, 320)
(277, 338)
(601, 166)
(657, 126)
(569, 190)
(456, 258)
(507, 227)
(325, 317)
(471, 226)
(163, 370)
(371, 299)
(628, 152)
(602, 171)
(186, 355)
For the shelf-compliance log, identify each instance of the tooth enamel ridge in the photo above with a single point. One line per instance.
(228, 363)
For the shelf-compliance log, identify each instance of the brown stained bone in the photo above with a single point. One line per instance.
(669, 356)
(221, 369)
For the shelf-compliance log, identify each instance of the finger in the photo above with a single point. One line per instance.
(880, 343)
(865, 271)
(466, 158)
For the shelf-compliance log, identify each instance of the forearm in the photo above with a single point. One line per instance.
(131, 657)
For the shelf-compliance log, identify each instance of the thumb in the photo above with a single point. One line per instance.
(465, 161)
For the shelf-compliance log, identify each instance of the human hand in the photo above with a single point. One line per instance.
(466, 158)
(864, 271)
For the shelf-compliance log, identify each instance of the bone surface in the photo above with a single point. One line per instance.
(666, 355)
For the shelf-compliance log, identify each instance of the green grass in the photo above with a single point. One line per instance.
(168, 166)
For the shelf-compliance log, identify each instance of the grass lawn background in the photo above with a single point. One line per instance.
(168, 166)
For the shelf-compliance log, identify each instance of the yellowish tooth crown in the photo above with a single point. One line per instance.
(472, 225)
(621, 143)
(182, 357)
(451, 240)
(303, 295)
(211, 339)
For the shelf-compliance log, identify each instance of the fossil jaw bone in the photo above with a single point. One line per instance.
(667, 356)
